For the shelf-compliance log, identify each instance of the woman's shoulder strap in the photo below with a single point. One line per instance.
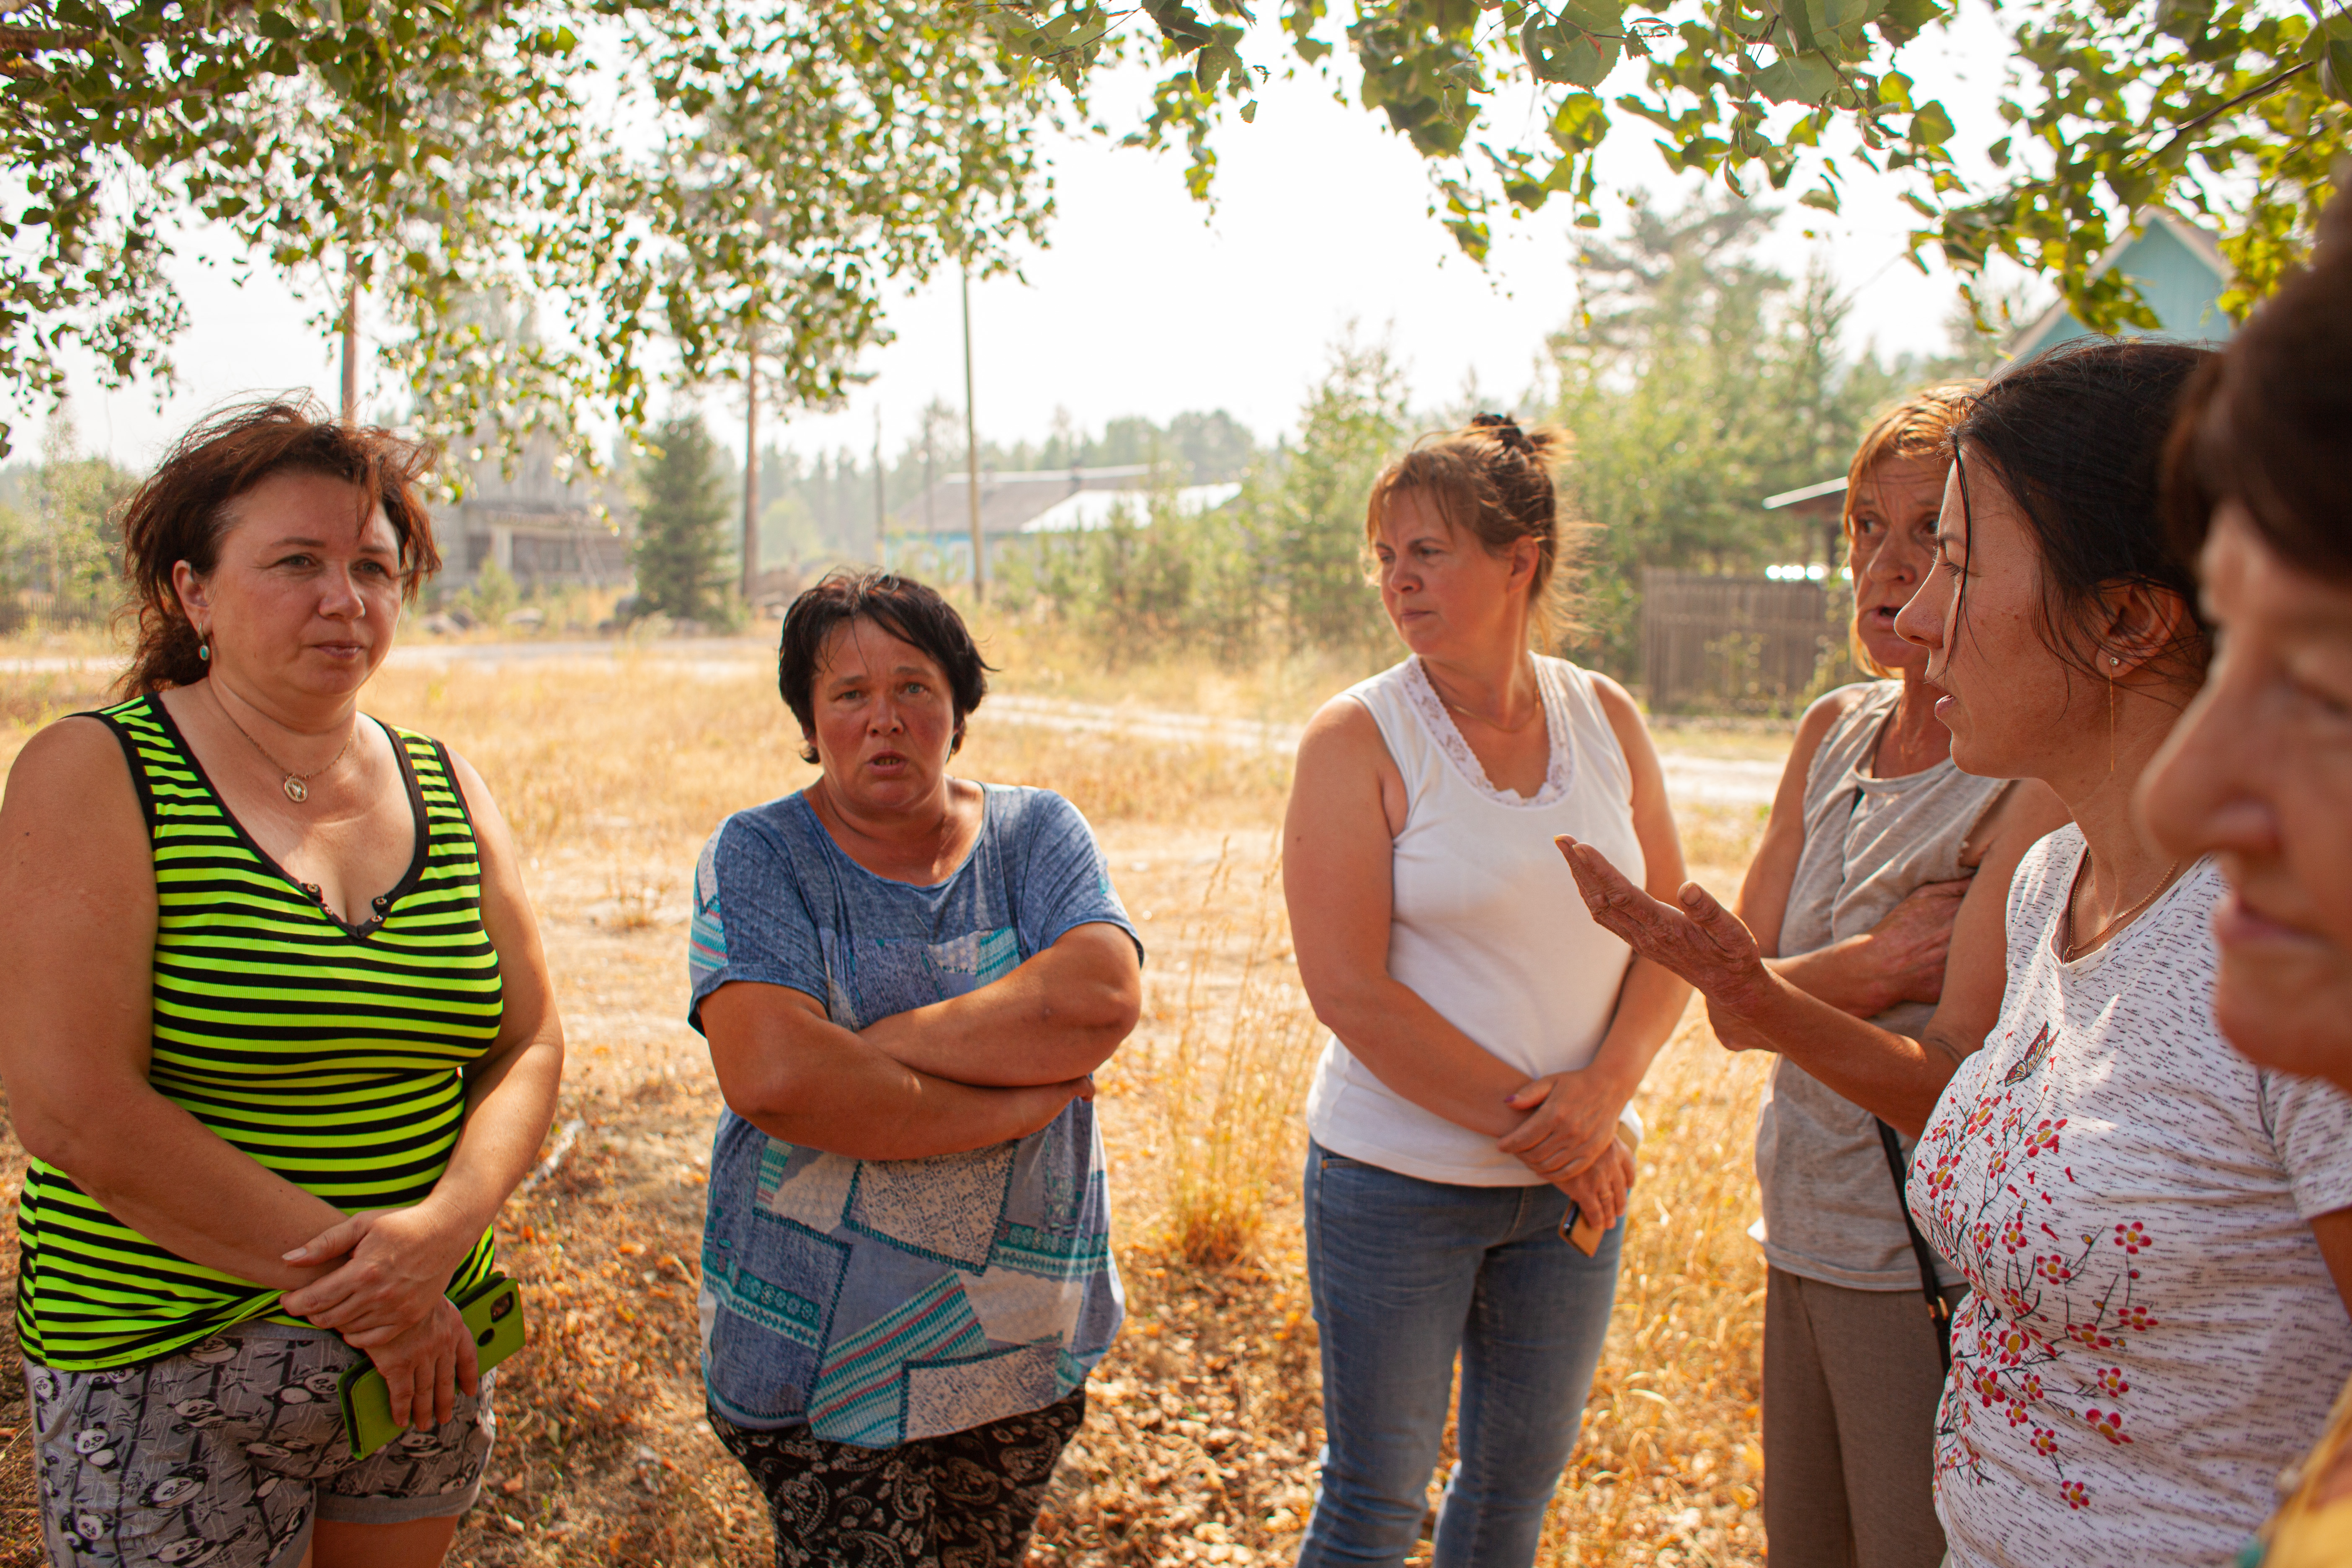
(431, 776)
(1388, 696)
(1573, 683)
(148, 743)
(1591, 730)
(1853, 733)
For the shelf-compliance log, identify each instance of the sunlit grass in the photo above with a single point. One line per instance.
(612, 773)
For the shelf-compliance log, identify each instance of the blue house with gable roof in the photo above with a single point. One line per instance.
(2180, 272)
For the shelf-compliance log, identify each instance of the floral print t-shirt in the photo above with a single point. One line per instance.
(2151, 1334)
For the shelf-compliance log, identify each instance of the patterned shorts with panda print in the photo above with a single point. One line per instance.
(225, 1454)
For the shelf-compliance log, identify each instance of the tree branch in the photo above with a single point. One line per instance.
(2219, 110)
(38, 40)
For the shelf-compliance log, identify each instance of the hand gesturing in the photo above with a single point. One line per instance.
(1701, 941)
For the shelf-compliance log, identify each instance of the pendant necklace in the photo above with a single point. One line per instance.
(2069, 950)
(296, 785)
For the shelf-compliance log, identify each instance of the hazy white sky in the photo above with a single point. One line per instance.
(1146, 302)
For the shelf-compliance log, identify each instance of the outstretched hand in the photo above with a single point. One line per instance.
(1700, 941)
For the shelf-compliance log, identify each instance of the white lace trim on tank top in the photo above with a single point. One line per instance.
(1560, 766)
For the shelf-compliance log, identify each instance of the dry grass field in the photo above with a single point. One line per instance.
(1205, 1424)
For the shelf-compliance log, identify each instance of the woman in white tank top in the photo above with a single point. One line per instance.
(1486, 1035)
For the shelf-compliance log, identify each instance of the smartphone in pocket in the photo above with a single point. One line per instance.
(494, 1316)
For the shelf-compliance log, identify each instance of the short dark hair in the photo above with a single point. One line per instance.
(2076, 435)
(184, 508)
(905, 608)
(2268, 423)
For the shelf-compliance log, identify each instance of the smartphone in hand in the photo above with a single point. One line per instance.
(1582, 1233)
(493, 1314)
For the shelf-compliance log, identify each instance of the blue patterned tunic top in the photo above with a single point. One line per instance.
(880, 1302)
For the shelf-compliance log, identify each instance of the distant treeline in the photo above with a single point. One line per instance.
(823, 507)
(1695, 382)
(59, 547)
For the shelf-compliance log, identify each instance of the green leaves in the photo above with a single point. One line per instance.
(1903, 20)
(2227, 114)
(2333, 44)
(1579, 124)
(1796, 79)
(1561, 51)
(803, 151)
(468, 162)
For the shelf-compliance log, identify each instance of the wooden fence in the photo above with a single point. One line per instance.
(1740, 645)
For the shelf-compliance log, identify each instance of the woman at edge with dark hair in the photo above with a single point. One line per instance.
(2258, 774)
(905, 978)
(280, 1036)
(2157, 1235)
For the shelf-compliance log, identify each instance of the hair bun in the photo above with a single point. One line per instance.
(1505, 428)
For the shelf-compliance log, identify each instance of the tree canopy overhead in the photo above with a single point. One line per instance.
(726, 176)
(403, 133)
(698, 171)
(2232, 108)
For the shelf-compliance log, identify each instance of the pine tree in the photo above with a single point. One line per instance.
(681, 526)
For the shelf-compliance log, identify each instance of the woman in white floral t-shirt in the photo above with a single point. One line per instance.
(2156, 1233)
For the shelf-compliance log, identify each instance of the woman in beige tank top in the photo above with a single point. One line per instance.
(1874, 842)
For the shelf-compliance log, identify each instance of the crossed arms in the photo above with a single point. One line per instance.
(997, 1063)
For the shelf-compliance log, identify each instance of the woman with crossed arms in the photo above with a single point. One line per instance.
(1876, 843)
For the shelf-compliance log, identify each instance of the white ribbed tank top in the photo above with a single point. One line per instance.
(1488, 926)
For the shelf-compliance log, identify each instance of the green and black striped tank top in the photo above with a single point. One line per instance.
(331, 1054)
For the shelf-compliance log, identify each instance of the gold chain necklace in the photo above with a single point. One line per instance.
(2070, 951)
(296, 785)
(1472, 712)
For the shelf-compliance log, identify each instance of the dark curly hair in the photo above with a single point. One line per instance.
(905, 608)
(186, 506)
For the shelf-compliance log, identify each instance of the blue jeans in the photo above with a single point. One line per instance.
(1405, 1273)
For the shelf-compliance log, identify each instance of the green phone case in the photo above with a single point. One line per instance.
(493, 1312)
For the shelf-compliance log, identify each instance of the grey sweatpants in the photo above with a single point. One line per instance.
(1851, 1382)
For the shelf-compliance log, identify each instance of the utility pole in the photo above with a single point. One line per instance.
(351, 345)
(881, 522)
(971, 453)
(751, 465)
(929, 529)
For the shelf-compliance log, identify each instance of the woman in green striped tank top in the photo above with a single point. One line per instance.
(280, 1035)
